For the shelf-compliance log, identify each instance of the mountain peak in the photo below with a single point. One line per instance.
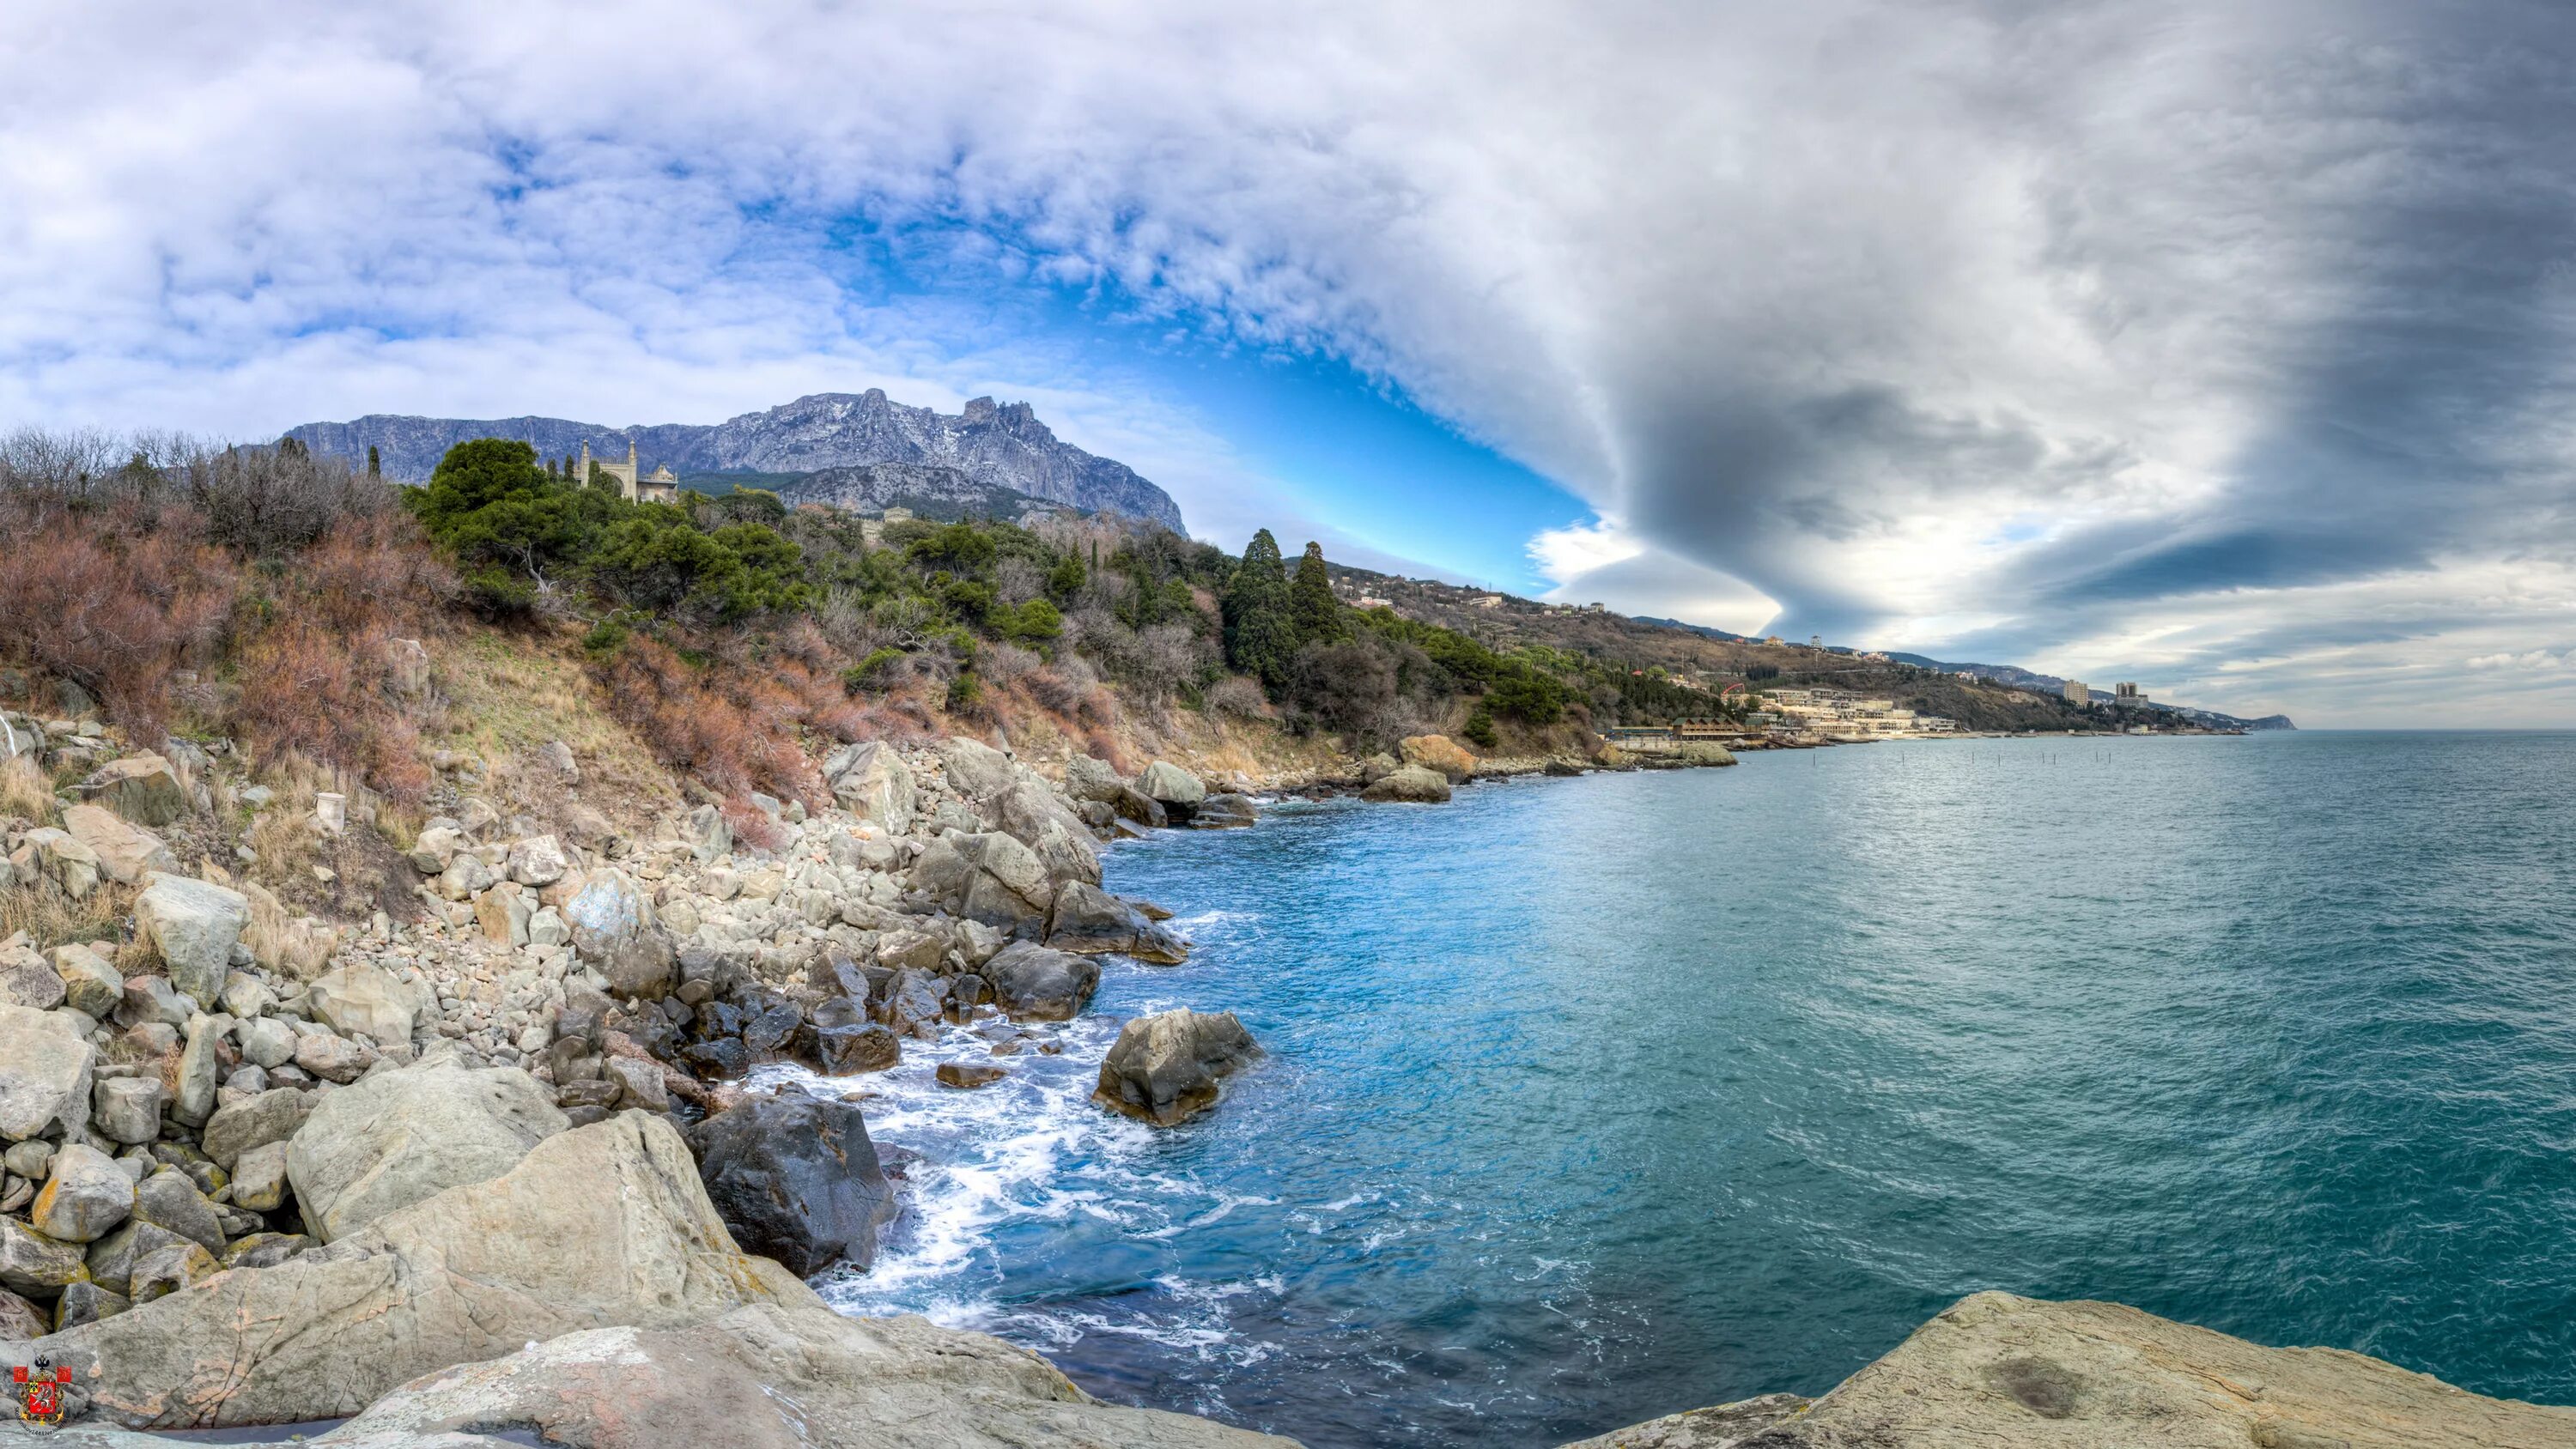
(992, 444)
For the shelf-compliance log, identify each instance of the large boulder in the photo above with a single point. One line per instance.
(85, 1195)
(27, 979)
(90, 983)
(989, 877)
(775, 1376)
(974, 769)
(1164, 1068)
(1091, 921)
(796, 1178)
(194, 925)
(36, 1265)
(365, 1000)
(126, 852)
(255, 1121)
(614, 930)
(1412, 783)
(1175, 789)
(1086, 778)
(872, 781)
(143, 788)
(1033, 983)
(56, 856)
(599, 1226)
(2017, 1373)
(402, 1136)
(1439, 753)
(44, 1073)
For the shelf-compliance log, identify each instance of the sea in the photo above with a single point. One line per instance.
(1589, 1100)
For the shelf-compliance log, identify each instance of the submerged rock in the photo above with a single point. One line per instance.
(1089, 920)
(1164, 1068)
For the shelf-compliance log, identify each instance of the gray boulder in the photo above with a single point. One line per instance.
(270, 1117)
(989, 877)
(1034, 983)
(596, 1227)
(1412, 784)
(796, 1178)
(614, 930)
(778, 1376)
(27, 980)
(1089, 920)
(402, 1136)
(265, 1042)
(872, 781)
(194, 1100)
(34, 1264)
(143, 788)
(169, 1199)
(259, 1178)
(1088, 779)
(194, 925)
(1225, 812)
(1175, 789)
(1164, 1068)
(361, 999)
(128, 1109)
(90, 983)
(20, 1320)
(44, 1073)
(86, 1195)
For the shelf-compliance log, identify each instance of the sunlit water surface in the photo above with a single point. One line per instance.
(1590, 1100)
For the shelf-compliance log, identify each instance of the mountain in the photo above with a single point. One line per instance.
(929, 490)
(992, 444)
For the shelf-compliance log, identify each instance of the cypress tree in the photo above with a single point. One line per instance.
(1317, 613)
(375, 465)
(1260, 625)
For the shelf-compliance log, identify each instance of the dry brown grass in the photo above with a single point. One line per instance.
(25, 792)
(51, 918)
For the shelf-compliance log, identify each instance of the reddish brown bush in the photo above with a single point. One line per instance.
(732, 728)
(323, 693)
(113, 596)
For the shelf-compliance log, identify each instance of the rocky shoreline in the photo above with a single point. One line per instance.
(486, 1171)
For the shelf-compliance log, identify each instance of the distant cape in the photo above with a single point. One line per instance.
(996, 445)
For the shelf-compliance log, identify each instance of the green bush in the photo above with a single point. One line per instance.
(1479, 729)
(870, 671)
(965, 693)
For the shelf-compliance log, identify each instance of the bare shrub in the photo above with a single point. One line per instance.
(1017, 580)
(1005, 664)
(112, 597)
(24, 792)
(1238, 696)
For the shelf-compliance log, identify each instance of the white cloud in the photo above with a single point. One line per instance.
(2075, 332)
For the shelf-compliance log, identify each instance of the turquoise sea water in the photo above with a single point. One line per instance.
(1590, 1100)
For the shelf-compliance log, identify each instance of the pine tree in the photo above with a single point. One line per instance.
(1317, 613)
(1260, 625)
(375, 465)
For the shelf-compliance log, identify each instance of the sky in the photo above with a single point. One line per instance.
(2223, 348)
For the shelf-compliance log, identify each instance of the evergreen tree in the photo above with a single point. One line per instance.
(1317, 612)
(375, 465)
(1260, 623)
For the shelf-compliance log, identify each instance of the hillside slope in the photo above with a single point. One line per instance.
(992, 444)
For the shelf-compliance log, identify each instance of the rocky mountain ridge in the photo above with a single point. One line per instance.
(994, 445)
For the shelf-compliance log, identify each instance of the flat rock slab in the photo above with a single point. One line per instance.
(1994, 1371)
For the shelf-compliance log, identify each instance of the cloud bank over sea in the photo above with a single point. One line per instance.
(2223, 347)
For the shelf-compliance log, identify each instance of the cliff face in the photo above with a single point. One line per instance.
(991, 444)
(1998, 1372)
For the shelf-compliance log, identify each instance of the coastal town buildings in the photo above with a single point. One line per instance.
(2077, 692)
